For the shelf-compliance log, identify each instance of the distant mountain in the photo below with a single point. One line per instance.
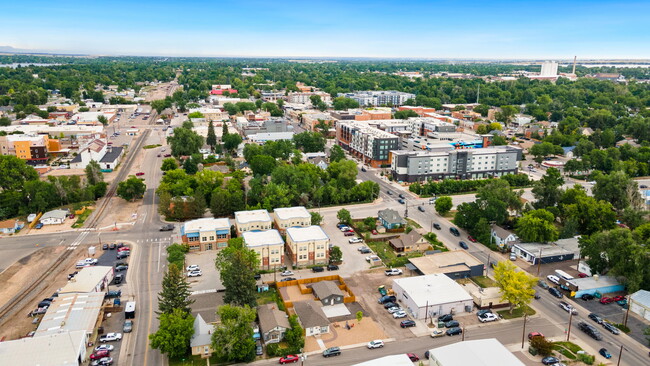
(10, 49)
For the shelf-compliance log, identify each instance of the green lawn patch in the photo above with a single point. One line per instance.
(151, 146)
(567, 349)
(388, 256)
(435, 243)
(484, 281)
(622, 327)
(413, 224)
(517, 312)
(81, 219)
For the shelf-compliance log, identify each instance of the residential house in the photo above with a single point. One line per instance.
(390, 219)
(268, 245)
(273, 323)
(287, 217)
(328, 292)
(311, 317)
(503, 237)
(201, 342)
(411, 242)
(94, 150)
(112, 158)
(206, 233)
(10, 226)
(252, 220)
(54, 217)
(585, 131)
(308, 245)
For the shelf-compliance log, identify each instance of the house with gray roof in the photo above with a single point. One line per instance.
(273, 323)
(112, 158)
(201, 342)
(411, 242)
(311, 317)
(54, 217)
(503, 237)
(390, 219)
(328, 292)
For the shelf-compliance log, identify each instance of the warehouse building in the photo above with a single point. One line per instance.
(431, 295)
(482, 352)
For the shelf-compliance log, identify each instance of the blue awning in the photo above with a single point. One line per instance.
(193, 235)
(222, 232)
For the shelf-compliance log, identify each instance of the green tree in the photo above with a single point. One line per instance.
(516, 286)
(316, 218)
(337, 153)
(443, 205)
(344, 216)
(196, 114)
(168, 164)
(94, 173)
(618, 189)
(174, 333)
(237, 265)
(589, 214)
(343, 103)
(405, 114)
(131, 189)
(212, 137)
(5, 121)
(336, 255)
(175, 293)
(646, 333)
(262, 164)
(15, 173)
(102, 120)
(309, 141)
(190, 166)
(231, 141)
(547, 190)
(185, 142)
(295, 335)
(232, 339)
(543, 346)
(496, 199)
(359, 316)
(506, 113)
(537, 226)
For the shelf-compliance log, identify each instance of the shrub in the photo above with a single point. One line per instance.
(586, 358)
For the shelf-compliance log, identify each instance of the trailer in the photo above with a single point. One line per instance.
(129, 310)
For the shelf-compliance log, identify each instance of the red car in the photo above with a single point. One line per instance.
(139, 174)
(349, 233)
(167, 155)
(532, 335)
(582, 275)
(122, 249)
(606, 300)
(618, 298)
(413, 357)
(289, 359)
(374, 232)
(471, 238)
(99, 354)
(133, 127)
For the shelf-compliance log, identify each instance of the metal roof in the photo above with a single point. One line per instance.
(432, 289)
(482, 352)
(61, 349)
(72, 312)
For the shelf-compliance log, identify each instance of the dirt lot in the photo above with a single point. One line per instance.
(14, 280)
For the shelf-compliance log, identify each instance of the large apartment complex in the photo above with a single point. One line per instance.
(377, 98)
(252, 220)
(33, 149)
(268, 245)
(287, 217)
(370, 144)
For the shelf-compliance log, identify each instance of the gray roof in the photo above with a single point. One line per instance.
(202, 332)
(57, 214)
(112, 154)
(391, 216)
(324, 289)
(60, 349)
(501, 232)
(271, 317)
(310, 314)
(641, 297)
(76, 159)
(406, 239)
(71, 312)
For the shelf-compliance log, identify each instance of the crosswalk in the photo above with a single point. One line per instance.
(83, 235)
(155, 240)
(78, 240)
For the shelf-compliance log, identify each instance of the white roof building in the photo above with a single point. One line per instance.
(246, 217)
(262, 238)
(72, 312)
(310, 233)
(89, 279)
(288, 213)
(640, 303)
(482, 352)
(206, 224)
(61, 349)
(392, 360)
(431, 295)
(263, 137)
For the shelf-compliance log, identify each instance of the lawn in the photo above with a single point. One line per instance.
(413, 224)
(516, 313)
(151, 146)
(484, 281)
(388, 256)
(82, 218)
(567, 349)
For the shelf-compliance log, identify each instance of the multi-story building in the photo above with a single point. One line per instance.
(94, 150)
(206, 234)
(376, 98)
(268, 245)
(308, 245)
(305, 97)
(254, 220)
(313, 119)
(368, 143)
(287, 217)
(33, 149)
(448, 162)
(212, 114)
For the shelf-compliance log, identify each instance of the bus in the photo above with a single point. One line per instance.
(129, 310)
(563, 275)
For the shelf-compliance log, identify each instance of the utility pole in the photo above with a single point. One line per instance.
(523, 332)
(463, 334)
(627, 312)
(487, 269)
(539, 263)
(568, 334)
(620, 353)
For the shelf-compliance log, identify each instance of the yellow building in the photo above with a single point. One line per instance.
(268, 245)
(252, 220)
(287, 217)
(308, 245)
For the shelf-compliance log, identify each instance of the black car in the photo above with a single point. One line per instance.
(421, 208)
(452, 324)
(104, 246)
(364, 250)
(389, 305)
(287, 279)
(401, 201)
(317, 269)
(407, 323)
(555, 292)
(112, 246)
(587, 297)
(590, 330)
(118, 279)
(120, 245)
(332, 267)
(401, 195)
(363, 169)
(463, 245)
(611, 328)
(332, 351)
(168, 227)
(122, 267)
(596, 318)
(389, 192)
(454, 231)
(550, 360)
(445, 318)
(387, 298)
(436, 226)
(453, 331)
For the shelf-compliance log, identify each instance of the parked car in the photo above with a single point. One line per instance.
(110, 337)
(332, 267)
(407, 323)
(542, 284)
(582, 275)
(332, 351)
(603, 352)
(378, 343)
(38, 226)
(355, 240)
(111, 246)
(513, 256)
(387, 298)
(121, 267)
(532, 335)
(394, 309)
(488, 317)
(105, 361)
(436, 333)
(606, 300)
(105, 347)
(568, 307)
(286, 273)
(550, 360)
(118, 279)
(192, 267)
(587, 297)
(348, 233)
(393, 272)
(389, 305)
(413, 357)
(596, 318)
(138, 174)
(452, 324)
(554, 279)
(453, 331)
(168, 227)
(364, 250)
(289, 359)
(105, 246)
(317, 269)
(259, 351)
(555, 292)
(590, 330)
(128, 326)
(344, 228)
(445, 318)
(463, 245)
(196, 273)
(399, 314)
(618, 298)
(611, 328)
(288, 279)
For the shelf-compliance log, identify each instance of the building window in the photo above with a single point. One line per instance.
(205, 238)
(222, 236)
(193, 238)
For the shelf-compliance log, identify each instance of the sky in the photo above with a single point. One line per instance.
(451, 29)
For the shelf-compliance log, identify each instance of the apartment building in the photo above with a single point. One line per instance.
(206, 234)
(254, 220)
(33, 149)
(363, 114)
(366, 142)
(449, 162)
(212, 114)
(268, 245)
(308, 245)
(304, 97)
(377, 98)
(311, 120)
(287, 217)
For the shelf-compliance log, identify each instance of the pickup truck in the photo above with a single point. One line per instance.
(393, 272)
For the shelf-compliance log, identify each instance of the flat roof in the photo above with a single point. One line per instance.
(261, 238)
(206, 224)
(392, 360)
(308, 233)
(87, 279)
(72, 312)
(594, 282)
(244, 217)
(61, 349)
(548, 249)
(445, 262)
(286, 213)
(435, 288)
(481, 352)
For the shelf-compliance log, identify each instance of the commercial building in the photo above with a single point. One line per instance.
(252, 220)
(392, 360)
(448, 162)
(304, 97)
(640, 304)
(378, 98)
(261, 138)
(311, 317)
(54, 217)
(94, 150)
(308, 245)
(431, 295)
(206, 234)
(560, 250)
(481, 352)
(72, 312)
(594, 284)
(287, 217)
(89, 279)
(32, 148)
(455, 264)
(370, 144)
(268, 245)
(59, 349)
(92, 118)
(273, 323)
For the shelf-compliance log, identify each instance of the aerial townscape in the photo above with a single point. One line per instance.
(359, 183)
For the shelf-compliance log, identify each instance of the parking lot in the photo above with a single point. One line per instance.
(209, 281)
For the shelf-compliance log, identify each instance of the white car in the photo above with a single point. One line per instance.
(355, 240)
(109, 337)
(394, 309)
(393, 272)
(344, 228)
(286, 273)
(488, 317)
(105, 347)
(91, 261)
(193, 267)
(568, 308)
(554, 279)
(399, 314)
(196, 273)
(378, 343)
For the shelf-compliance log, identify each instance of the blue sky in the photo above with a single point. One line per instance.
(417, 29)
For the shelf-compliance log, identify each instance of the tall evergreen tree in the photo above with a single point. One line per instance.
(175, 293)
(237, 265)
(212, 137)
